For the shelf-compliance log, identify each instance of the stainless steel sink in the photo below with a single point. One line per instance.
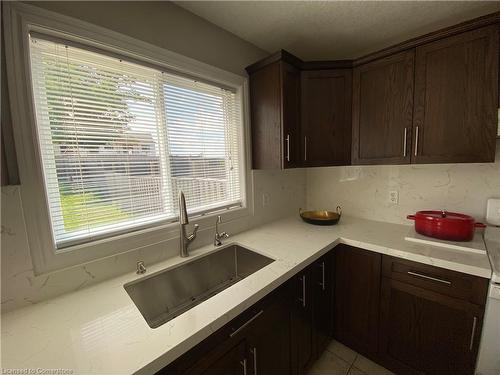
(167, 294)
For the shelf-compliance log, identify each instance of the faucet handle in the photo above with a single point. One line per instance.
(192, 236)
(141, 267)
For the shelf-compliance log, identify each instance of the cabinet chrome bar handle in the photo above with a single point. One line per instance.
(305, 148)
(288, 147)
(303, 299)
(416, 141)
(232, 334)
(404, 142)
(254, 353)
(429, 277)
(323, 276)
(473, 333)
(244, 364)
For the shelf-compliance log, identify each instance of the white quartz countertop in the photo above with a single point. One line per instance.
(99, 330)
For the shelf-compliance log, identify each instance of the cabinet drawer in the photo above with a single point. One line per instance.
(440, 280)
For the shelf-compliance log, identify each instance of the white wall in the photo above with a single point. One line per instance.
(166, 25)
(171, 27)
(364, 190)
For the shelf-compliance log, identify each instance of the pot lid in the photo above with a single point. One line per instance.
(443, 215)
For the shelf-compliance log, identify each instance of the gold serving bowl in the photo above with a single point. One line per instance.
(321, 217)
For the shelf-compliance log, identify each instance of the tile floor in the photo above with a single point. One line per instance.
(338, 359)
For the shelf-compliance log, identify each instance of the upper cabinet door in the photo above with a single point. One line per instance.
(265, 101)
(290, 108)
(326, 117)
(275, 116)
(382, 110)
(456, 98)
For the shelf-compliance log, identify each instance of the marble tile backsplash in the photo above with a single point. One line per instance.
(21, 287)
(363, 191)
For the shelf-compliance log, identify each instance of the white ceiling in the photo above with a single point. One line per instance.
(322, 30)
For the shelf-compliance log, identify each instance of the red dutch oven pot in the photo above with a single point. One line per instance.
(445, 225)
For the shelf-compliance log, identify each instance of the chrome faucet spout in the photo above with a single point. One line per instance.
(185, 238)
(183, 216)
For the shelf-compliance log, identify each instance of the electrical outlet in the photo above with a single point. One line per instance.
(394, 196)
(265, 199)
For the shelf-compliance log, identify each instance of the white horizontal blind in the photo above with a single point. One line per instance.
(118, 140)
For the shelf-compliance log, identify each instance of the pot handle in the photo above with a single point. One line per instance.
(480, 225)
(339, 210)
(411, 217)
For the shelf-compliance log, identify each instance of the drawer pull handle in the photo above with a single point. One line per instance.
(288, 147)
(305, 148)
(323, 285)
(246, 323)
(254, 353)
(429, 277)
(404, 142)
(473, 333)
(416, 141)
(303, 299)
(244, 364)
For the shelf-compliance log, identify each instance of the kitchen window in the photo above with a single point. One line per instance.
(107, 129)
(119, 139)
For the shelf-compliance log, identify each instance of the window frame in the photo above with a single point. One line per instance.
(22, 19)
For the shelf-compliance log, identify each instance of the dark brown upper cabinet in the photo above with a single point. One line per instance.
(326, 117)
(382, 110)
(456, 98)
(431, 99)
(275, 115)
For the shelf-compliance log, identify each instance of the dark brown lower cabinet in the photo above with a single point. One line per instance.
(302, 322)
(256, 342)
(422, 331)
(357, 295)
(323, 282)
(284, 333)
(269, 340)
(312, 313)
(231, 360)
(409, 317)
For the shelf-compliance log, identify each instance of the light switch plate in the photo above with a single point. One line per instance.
(265, 199)
(493, 211)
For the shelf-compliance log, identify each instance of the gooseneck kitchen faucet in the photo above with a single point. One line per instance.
(185, 239)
